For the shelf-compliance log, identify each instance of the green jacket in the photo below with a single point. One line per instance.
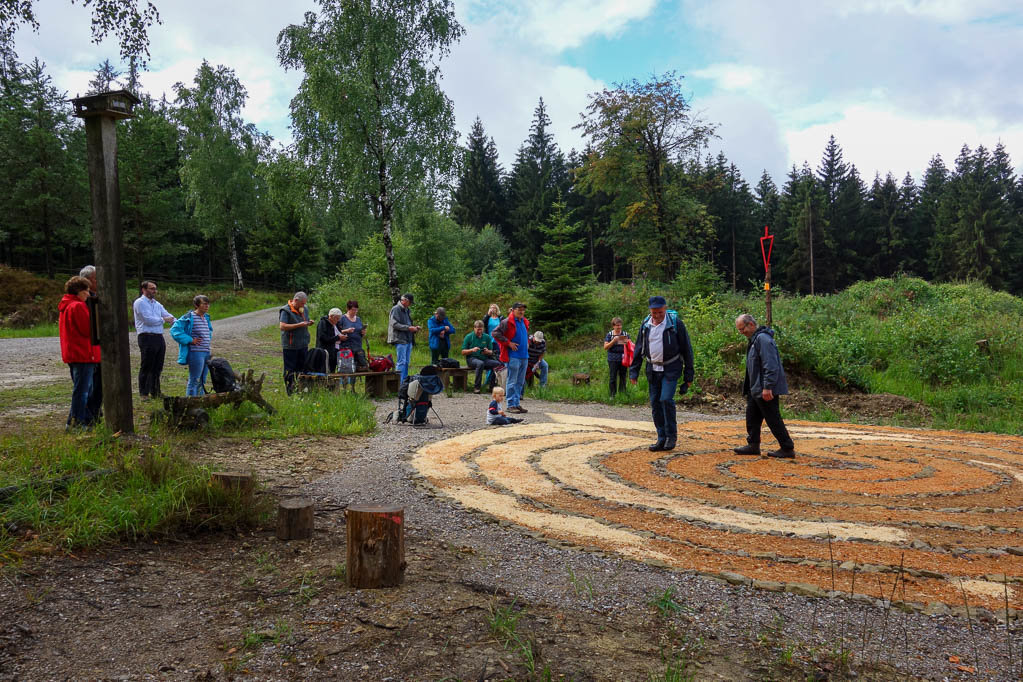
(479, 343)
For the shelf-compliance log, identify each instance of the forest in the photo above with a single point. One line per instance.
(207, 197)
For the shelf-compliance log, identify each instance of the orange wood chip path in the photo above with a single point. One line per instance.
(927, 514)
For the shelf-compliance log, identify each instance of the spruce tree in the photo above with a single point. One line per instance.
(560, 290)
(478, 199)
(538, 178)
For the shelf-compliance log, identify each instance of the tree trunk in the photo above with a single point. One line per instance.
(384, 202)
(376, 546)
(232, 246)
(295, 519)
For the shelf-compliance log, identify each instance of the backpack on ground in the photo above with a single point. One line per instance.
(316, 361)
(448, 363)
(345, 361)
(222, 377)
(380, 363)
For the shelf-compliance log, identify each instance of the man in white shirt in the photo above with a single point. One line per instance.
(664, 343)
(150, 316)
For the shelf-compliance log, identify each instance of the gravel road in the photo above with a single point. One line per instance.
(31, 361)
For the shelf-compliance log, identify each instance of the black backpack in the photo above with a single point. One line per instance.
(222, 377)
(448, 363)
(316, 361)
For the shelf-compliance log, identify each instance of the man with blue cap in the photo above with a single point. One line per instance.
(664, 343)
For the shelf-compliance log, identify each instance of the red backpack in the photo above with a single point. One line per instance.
(380, 363)
(628, 353)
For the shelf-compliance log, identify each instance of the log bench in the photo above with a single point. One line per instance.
(378, 384)
(455, 377)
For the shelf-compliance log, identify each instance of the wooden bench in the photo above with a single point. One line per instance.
(378, 384)
(455, 377)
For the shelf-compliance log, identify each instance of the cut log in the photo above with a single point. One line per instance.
(578, 379)
(185, 412)
(234, 481)
(295, 519)
(376, 546)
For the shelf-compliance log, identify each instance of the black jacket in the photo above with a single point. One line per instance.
(325, 336)
(678, 350)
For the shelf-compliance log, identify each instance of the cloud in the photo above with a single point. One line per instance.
(749, 135)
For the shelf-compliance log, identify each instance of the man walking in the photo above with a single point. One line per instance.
(478, 350)
(294, 325)
(401, 333)
(150, 316)
(664, 343)
(763, 383)
(513, 332)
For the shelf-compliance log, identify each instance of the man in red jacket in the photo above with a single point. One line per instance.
(76, 349)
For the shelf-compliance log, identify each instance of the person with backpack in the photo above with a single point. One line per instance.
(194, 333)
(664, 343)
(513, 336)
(294, 326)
(329, 337)
(762, 383)
(615, 342)
(441, 330)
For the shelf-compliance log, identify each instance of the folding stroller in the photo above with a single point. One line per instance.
(414, 398)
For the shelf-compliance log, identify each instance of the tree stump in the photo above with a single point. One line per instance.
(233, 481)
(376, 546)
(295, 519)
(578, 379)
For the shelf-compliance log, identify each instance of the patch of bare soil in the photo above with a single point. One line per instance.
(810, 395)
(219, 607)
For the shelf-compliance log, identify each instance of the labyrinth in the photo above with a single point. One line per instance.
(907, 515)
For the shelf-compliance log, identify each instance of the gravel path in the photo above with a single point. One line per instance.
(31, 361)
(536, 571)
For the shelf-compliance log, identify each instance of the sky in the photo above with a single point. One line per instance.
(895, 81)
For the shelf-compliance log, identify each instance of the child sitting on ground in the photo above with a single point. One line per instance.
(495, 415)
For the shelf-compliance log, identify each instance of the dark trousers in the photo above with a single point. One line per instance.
(615, 371)
(757, 412)
(153, 348)
(662, 404)
(96, 397)
(294, 364)
(480, 365)
(441, 351)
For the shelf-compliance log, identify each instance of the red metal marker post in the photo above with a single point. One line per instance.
(765, 251)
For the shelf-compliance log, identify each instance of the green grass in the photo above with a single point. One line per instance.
(72, 491)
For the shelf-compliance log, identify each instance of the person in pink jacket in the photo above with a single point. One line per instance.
(76, 349)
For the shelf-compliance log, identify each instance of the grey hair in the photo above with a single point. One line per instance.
(88, 271)
(745, 318)
(199, 300)
(478, 323)
(334, 312)
(300, 296)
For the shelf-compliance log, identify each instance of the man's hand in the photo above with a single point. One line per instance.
(487, 351)
(309, 323)
(193, 342)
(513, 345)
(767, 394)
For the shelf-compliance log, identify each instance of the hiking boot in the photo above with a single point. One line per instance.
(747, 450)
(657, 447)
(782, 453)
(476, 390)
(669, 444)
(518, 410)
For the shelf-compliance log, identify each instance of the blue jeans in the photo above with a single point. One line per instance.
(81, 378)
(196, 371)
(516, 379)
(662, 404)
(540, 371)
(404, 353)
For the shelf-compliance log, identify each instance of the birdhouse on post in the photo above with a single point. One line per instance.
(101, 113)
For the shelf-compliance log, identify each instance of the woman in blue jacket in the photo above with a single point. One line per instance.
(194, 333)
(441, 331)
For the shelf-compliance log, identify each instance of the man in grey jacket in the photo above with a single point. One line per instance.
(400, 333)
(763, 383)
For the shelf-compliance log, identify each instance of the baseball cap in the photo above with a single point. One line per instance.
(518, 304)
(657, 302)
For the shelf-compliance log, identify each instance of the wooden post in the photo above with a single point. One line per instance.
(767, 295)
(101, 113)
(376, 546)
(244, 484)
(295, 519)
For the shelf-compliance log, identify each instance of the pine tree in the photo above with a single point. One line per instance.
(479, 199)
(926, 217)
(105, 78)
(854, 246)
(560, 289)
(805, 265)
(888, 225)
(538, 178)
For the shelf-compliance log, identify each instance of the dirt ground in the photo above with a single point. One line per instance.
(482, 599)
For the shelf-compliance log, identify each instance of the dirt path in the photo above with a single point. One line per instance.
(31, 361)
(217, 607)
